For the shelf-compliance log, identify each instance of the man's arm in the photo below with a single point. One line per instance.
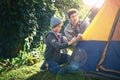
(69, 33)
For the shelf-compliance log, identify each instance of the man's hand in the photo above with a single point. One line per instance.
(79, 36)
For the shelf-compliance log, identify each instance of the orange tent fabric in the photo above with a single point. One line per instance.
(103, 22)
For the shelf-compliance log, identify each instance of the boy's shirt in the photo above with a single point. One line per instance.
(54, 43)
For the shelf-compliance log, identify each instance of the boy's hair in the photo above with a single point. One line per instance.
(71, 11)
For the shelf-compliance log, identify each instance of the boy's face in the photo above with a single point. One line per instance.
(74, 18)
(59, 27)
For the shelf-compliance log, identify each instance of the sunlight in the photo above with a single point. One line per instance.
(96, 3)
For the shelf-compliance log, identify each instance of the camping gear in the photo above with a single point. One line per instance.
(101, 40)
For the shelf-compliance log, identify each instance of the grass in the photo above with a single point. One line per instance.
(21, 73)
(27, 73)
(33, 73)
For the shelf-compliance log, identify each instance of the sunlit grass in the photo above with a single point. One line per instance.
(21, 73)
(33, 73)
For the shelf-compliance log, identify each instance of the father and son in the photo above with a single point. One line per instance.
(55, 43)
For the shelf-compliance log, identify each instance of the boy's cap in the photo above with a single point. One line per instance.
(55, 21)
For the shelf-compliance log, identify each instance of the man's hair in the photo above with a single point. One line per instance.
(72, 11)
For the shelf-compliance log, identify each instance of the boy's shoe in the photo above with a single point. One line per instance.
(43, 67)
(43, 70)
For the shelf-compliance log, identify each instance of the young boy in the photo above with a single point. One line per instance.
(54, 44)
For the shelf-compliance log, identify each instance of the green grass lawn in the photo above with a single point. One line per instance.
(21, 73)
(33, 73)
(27, 73)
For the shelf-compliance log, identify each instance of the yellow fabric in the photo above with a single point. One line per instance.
(101, 26)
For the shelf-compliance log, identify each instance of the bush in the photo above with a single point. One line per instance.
(22, 21)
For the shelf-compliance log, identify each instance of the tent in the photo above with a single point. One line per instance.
(101, 41)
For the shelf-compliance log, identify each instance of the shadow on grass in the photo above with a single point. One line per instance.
(49, 76)
(46, 75)
(71, 76)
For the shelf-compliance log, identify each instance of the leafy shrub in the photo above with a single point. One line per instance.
(29, 58)
(22, 21)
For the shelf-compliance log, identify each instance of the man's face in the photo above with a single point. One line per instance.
(74, 18)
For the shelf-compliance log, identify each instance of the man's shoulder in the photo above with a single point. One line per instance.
(84, 22)
(68, 26)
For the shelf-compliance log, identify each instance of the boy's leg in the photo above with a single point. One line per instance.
(53, 67)
(64, 58)
(44, 66)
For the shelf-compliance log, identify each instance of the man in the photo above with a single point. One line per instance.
(54, 44)
(75, 27)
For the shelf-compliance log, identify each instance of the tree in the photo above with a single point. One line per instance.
(22, 21)
(64, 5)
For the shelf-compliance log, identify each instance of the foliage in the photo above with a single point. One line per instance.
(22, 21)
(24, 58)
(29, 58)
(64, 5)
